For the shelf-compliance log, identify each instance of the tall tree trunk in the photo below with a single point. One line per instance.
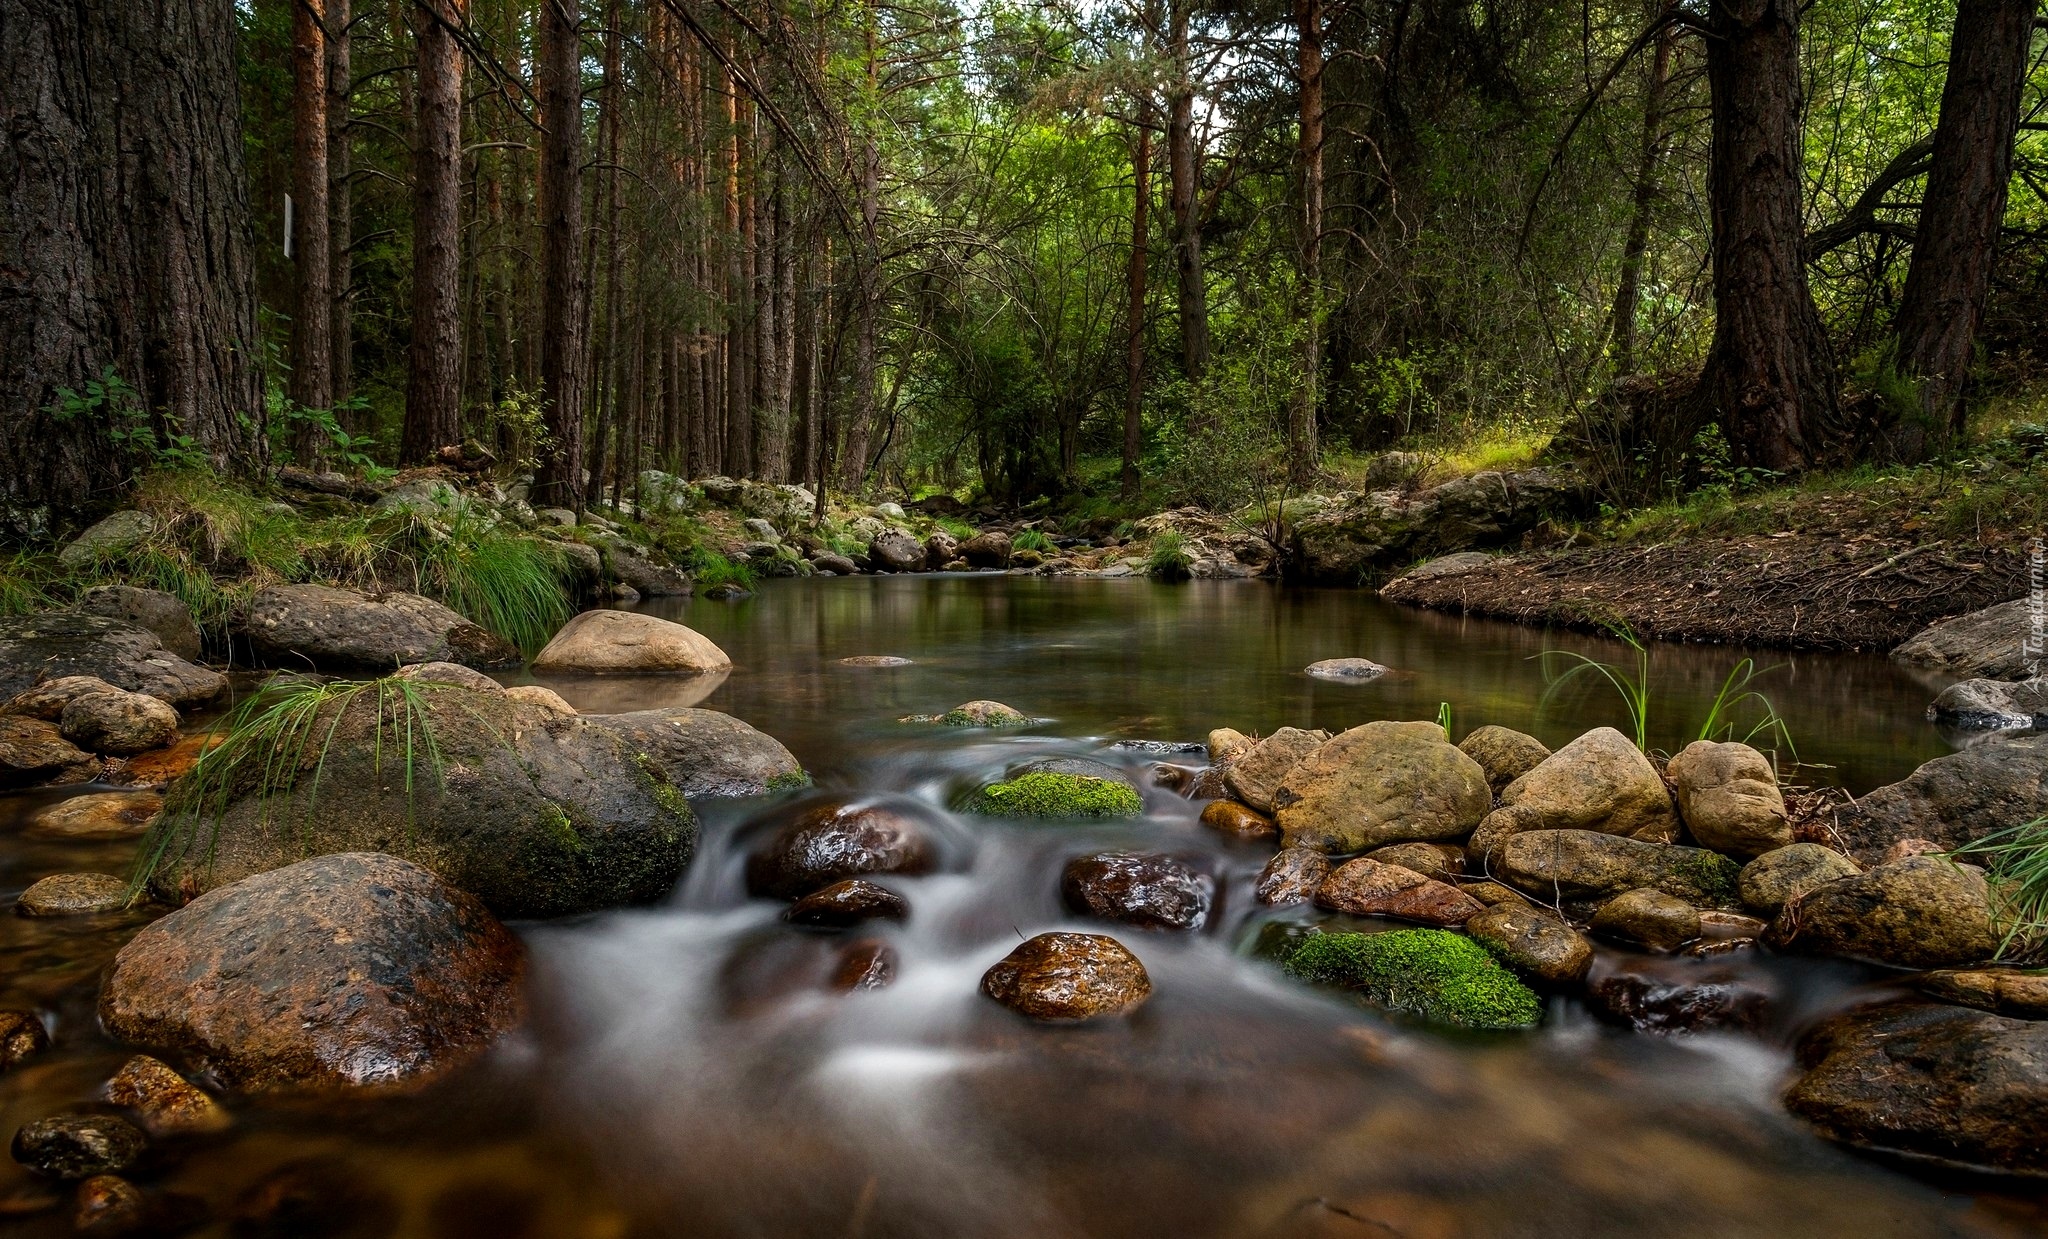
(1628, 292)
(340, 212)
(1961, 211)
(1302, 451)
(1134, 301)
(433, 387)
(1768, 377)
(867, 268)
(560, 69)
(1184, 167)
(141, 263)
(614, 267)
(312, 380)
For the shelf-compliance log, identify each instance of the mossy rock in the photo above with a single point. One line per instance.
(1443, 977)
(1047, 793)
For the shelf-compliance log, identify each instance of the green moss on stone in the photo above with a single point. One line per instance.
(1709, 879)
(971, 718)
(1047, 794)
(1441, 976)
(789, 780)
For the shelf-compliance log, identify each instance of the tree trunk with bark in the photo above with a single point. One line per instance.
(312, 377)
(340, 213)
(1302, 452)
(560, 71)
(1184, 168)
(433, 387)
(1963, 207)
(124, 228)
(1134, 300)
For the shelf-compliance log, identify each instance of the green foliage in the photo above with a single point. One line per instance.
(352, 452)
(1736, 699)
(1737, 711)
(1168, 560)
(1044, 793)
(1443, 717)
(24, 584)
(1443, 977)
(2015, 860)
(518, 587)
(1033, 540)
(111, 400)
(710, 568)
(1632, 686)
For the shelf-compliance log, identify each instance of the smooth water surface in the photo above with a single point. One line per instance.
(690, 1071)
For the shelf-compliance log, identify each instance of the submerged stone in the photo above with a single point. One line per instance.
(1056, 794)
(78, 1146)
(1149, 891)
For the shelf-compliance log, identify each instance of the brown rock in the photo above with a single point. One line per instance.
(164, 614)
(537, 695)
(346, 970)
(987, 550)
(1921, 912)
(1700, 997)
(1239, 821)
(1533, 942)
(1256, 775)
(1227, 744)
(1649, 919)
(1728, 796)
(833, 841)
(1599, 782)
(2006, 991)
(159, 767)
(629, 643)
(1504, 753)
(1065, 976)
(1909, 847)
(108, 1204)
(52, 644)
(1381, 783)
(33, 753)
(1442, 861)
(167, 1103)
(1149, 891)
(22, 1036)
(449, 673)
(1784, 874)
(73, 894)
(78, 1146)
(864, 964)
(98, 815)
(848, 903)
(47, 700)
(1292, 876)
(1493, 894)
(1365, 887)
(1575, 865)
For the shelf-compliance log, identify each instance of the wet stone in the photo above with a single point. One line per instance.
(874, 660)
(1649, 919)
(167, 1103)
(1148, 891)
(1532, 941)
(73, 894)
(1239, 821)
(34, 752)
(1658, 1002)
(98, 815)
(864, 965)
(2006, 991)
(834, 841)
(1346, 670)
(1365, 887)
(1068, 977)
(1292, 876)
(108, 1204)
(848, 903)
(78, 1146)
(22, 1036)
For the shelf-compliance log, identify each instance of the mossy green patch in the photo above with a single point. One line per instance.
(789, 780)
(1441, 976)
(1048, 794)
(1708, 879)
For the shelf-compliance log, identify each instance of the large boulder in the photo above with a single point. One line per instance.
(163, 614)
(1580, 865)
(1990, 643)
(629, 643)
(537, 813)
(1728, 795)
(1065, 977)
(1950, 1084)
(345, 970)
(1991, 705)
(987, 550)
(1920, 912)
(1504, 753)
(706, 753)
(346, 630)
(1780, 876)
(897, 551)
(1255, 774)
(118, 722)
(1358, 536)
(1377, 784)
(59, 643)
(1994, 784)
(1600, 782)
(635, 566)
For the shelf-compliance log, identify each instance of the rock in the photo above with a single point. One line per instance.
(114, 534)
(1921, 912)
(865, 964)
(1380, 783)
(1059, 787)
(108, 1204)
(1443, 977)
(1649, 919)
(940, 549)
(889, 511)
(47, 700)
(1227, 744)
(119, 723)
(1456, 564)
(828, 561)
(347, 970)
(546, 698)
(1346, 670)
(1256, 774)
(1066, 976)
(424, 497)
(1599, 782)
(449, 673)
(975, 714)
(1989, 705)
(1990, 644)
(848, 902)
(1238, 821)
(1728, 797)
(1720, 924)
(1949, 1084)
(634, 566)
(874, 660)
(897, 551)
(2006, 991)
(1701, 998)
(1493, 894)
(830, 842)
(987, 550)
(54, 644)
(760, 530)
(1291, 877)
(1366, 887)
(33, 752)
(1149, 891)
(78, 1146)
(1992, 785)
(1783, 874)
(535, 813)
(629, 643)
(705, 753)
(1532, 942)
(346, 630)
(22, 1037)
(1910, 847)
(1589, 865)
(73, 894)
(161, 613)
(560, 517)
(98, 815)
(1357, 536)
(167, 1103)
(1503, 753)
(1442, 861)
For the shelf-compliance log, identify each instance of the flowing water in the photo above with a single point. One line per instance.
(689, 1070)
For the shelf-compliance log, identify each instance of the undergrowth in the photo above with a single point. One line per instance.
(2016, 862)
(1168, 559)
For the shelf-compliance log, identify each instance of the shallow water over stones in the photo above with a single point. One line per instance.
(704, 1067)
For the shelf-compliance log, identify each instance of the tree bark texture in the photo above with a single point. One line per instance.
(1184, 168)
(433, 389)
(312, 377)
(1134, 300)
(560, 70)
(1302, 451)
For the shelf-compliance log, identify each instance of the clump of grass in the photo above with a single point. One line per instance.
(1737, 698)
(2015, 860)
(1633, 687)
(1168, 559)
(958, 528)
(1032, 540)
(515, 586)
(712, 569)
(1443, 717)
(24, 585)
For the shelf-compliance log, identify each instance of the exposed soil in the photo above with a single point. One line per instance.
(1796, 590)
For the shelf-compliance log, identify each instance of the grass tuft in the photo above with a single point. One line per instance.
(1169, 559)
(2015, 860)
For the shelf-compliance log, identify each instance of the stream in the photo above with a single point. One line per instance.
(688, 1069)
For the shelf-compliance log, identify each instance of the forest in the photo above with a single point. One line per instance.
(1133, 254)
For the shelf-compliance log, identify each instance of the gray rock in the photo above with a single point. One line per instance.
(829, 561)
(1359, 535)
(425, 497)
(760, 530)
(161, 613)
(1921, 912)
(1649, 919)
(1988, 643)
(58, 643)
(1346, 670)
(1449, 565)
(1504, 753)
(1784, 874)
(1292, 876)
(1588, 865)
(449, 673)
(118, 723)
(1993, 705)
(1996, 783)
(337, 630)
(635, 566)
(1255, 776)
(897, 551)
(119, 532)
(561, 517)
(705, 753)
